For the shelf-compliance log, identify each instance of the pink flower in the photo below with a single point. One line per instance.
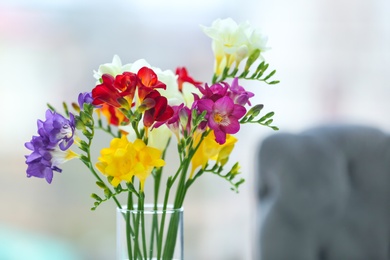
(222, 116)
(215, 92)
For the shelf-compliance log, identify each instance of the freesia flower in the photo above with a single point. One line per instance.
(158, 137)
(124, 159)
(228, 39)
(256, 40)
(114, 68)
(209, 149)
(215, 92)
(83, 98)
(148, 81)
(180, 120)
(222, 116)
(183, 76)
(57, 129)
(239, 95)
(50, 148)
(159, 111)
(114, 115)
(117, 92)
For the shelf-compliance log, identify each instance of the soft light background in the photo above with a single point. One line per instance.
(332, 57)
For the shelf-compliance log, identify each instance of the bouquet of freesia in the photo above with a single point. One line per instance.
(143, 108)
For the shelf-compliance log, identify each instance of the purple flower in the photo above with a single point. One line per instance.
(239, 94)
(57, 129)
(222, 116)
(40, 160)
(85, 97)
(48, 149)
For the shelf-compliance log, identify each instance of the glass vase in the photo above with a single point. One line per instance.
(150, 233)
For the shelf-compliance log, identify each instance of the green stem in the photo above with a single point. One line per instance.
(136, 223)
(128, 225)
(160, 235)
(141, 211)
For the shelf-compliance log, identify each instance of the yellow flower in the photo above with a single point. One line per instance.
(146, 159)
(209, 149)
(124, 159)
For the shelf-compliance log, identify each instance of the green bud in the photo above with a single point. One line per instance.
(252, 58)
(79, 123)
(96, 197)
(101, 184)
(235, 169)
(124, 103)
(75, 107)
(254, 111)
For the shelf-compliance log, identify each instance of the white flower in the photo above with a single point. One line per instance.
(157, 137)
(228, 39)
(114, 68)
(189, 90)
(257, 40)
(233, 42)
(171, 92)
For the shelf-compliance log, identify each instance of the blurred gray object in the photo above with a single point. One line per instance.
(324, 194)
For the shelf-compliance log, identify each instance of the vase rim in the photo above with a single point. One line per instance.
(149, 209)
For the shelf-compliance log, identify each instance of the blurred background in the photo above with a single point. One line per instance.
(332, 58)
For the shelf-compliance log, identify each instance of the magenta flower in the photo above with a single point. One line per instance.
(222, 116)
(215, 92)
(239, 94)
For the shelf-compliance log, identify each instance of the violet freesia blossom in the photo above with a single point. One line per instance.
(58, 129)
(222, 116)
(83, 98)
(239, 94)
(49, 148)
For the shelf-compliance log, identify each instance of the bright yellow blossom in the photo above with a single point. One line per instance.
(209, 149)
(124, 159)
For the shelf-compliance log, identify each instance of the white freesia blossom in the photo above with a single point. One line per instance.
(114, 68)
(171, 92)
(228, 39)
(257, 40)
(189, 90)
(157, 137)
(233, 42)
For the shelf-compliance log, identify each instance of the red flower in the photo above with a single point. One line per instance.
(113, 114)
(148, 81)
(112, 91)
(184, 77)
(159, 110)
